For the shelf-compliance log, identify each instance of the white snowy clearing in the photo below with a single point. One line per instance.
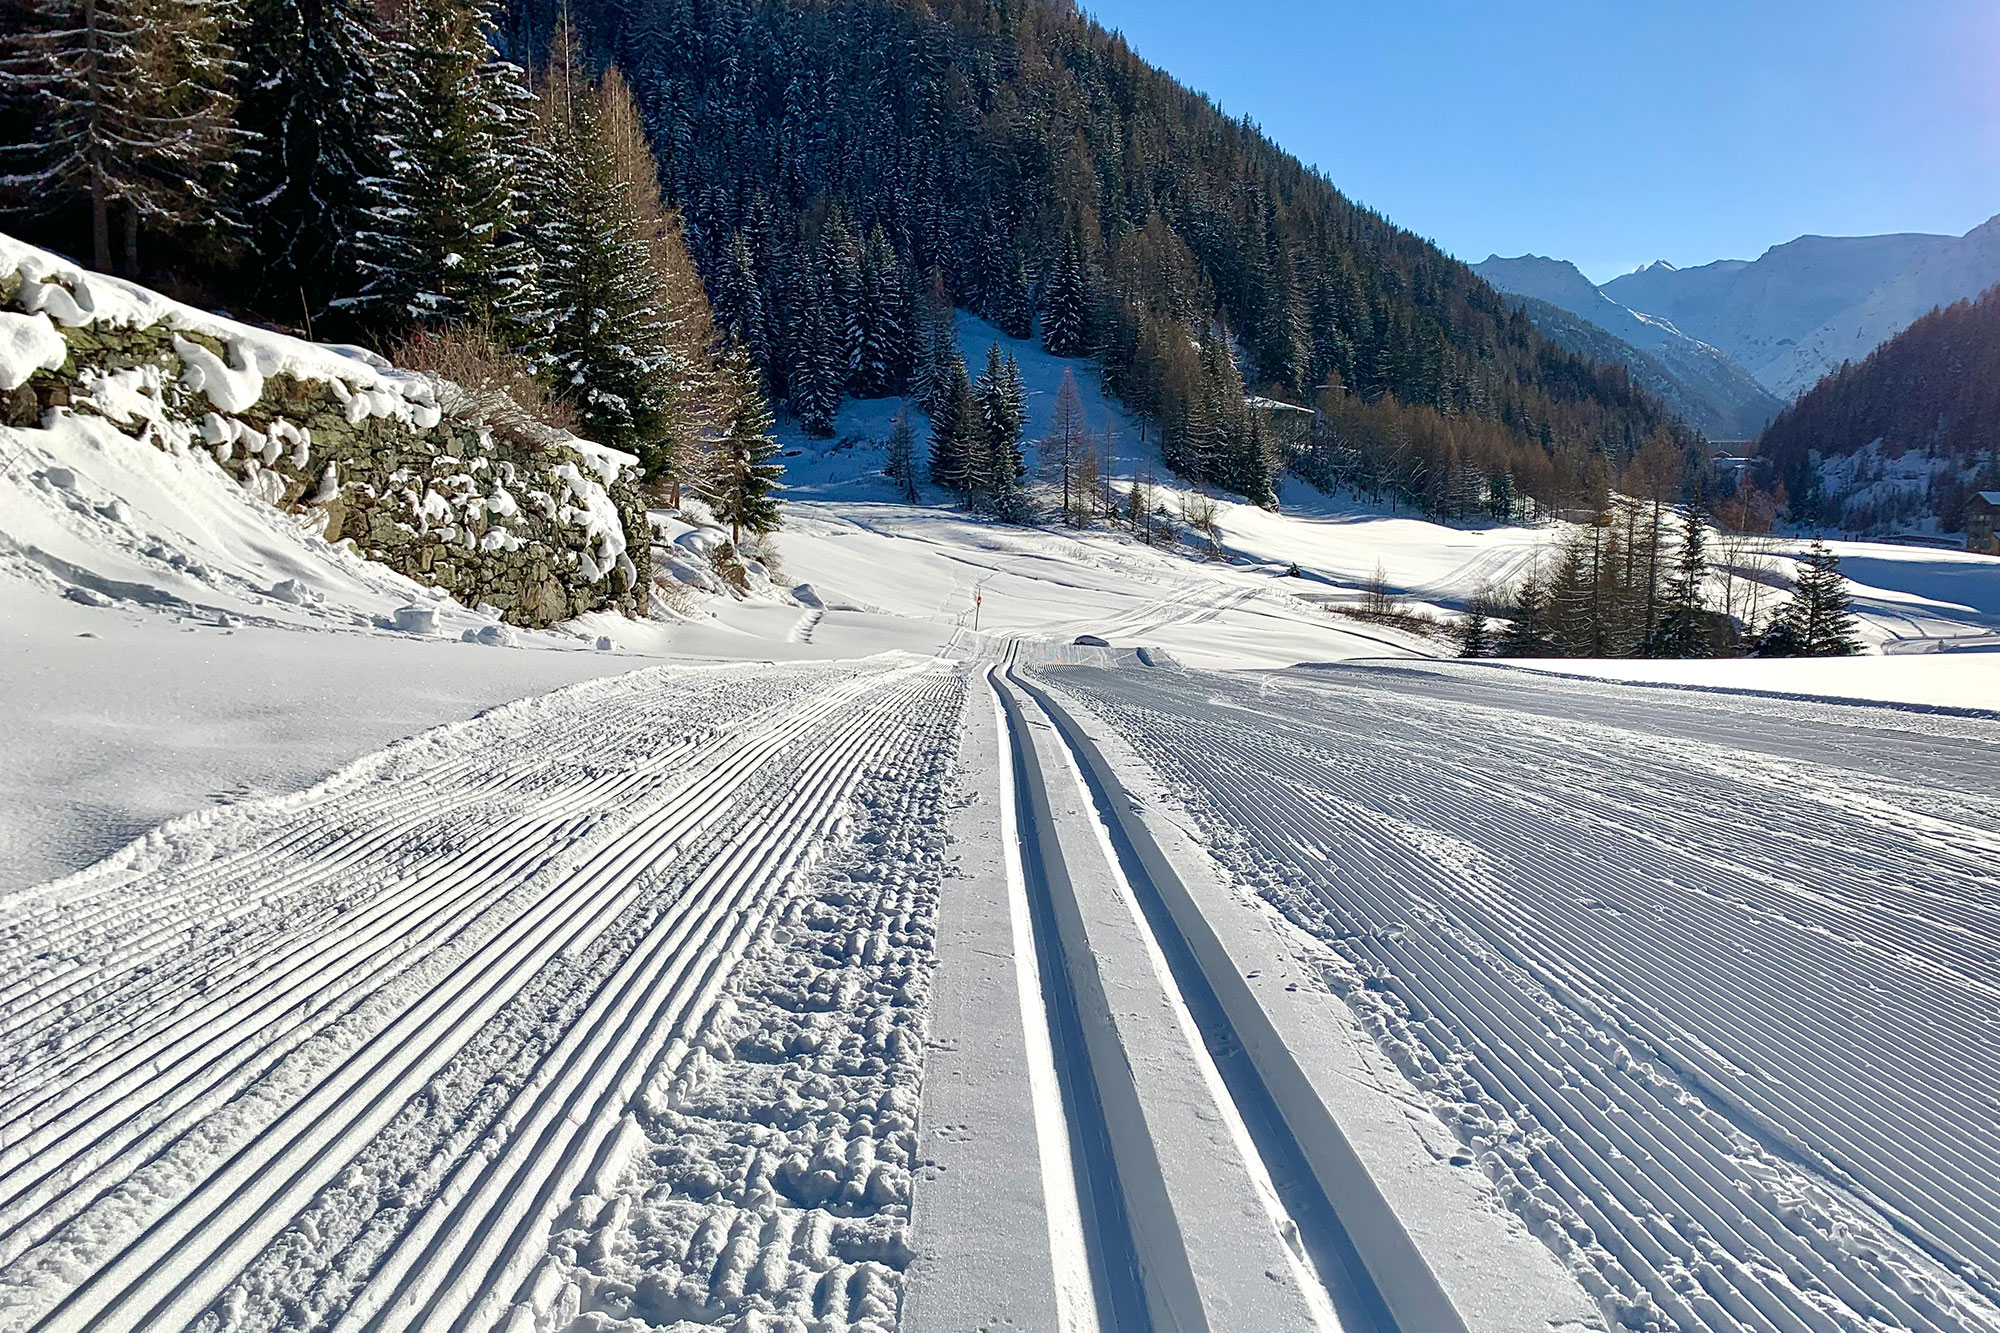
(863, 954)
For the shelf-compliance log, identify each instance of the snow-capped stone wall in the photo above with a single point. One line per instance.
(360, 451)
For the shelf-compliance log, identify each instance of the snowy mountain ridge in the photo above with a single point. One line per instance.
(1801, 308)
(1709, 389)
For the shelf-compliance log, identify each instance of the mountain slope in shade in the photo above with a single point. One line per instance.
(1709, 390)
(1802, 308)
(1904, 434)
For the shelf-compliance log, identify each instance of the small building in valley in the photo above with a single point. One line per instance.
(1982, 522)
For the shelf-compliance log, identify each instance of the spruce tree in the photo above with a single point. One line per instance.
(1003, 411)
(602, 312)
(443, 244)
(818, 369)
(1527, 633)
(1015, 312)
(310, 107)
(1818, 621)
(131, 104)
(743, 480)
(882, 352)
(1683, 626)
(1475, 634)
(1063, 307)
(956, 434)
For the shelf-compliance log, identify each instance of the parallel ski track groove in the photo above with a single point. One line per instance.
(523, 853)
(177, 1261)
(1900, 1125)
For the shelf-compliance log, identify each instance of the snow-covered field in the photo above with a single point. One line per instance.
(865, 954)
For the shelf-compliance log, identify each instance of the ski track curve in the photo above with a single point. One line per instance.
(222, 1029)
(1718, 1023)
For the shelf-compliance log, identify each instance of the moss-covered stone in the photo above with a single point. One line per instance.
(392, 479)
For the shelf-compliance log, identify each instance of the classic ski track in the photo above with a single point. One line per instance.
(1712, 1235)
(326, 828)
(492, 1217)
(189, 1248)
(526, 849)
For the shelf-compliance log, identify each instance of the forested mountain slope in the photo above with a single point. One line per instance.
(1911, 430)
(846, 167)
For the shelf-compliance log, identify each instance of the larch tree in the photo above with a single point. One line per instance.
(1069, 451)
(132, 110)
(702, 395)
(630, 359)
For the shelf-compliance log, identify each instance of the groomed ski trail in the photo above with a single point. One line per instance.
(211, 1029)
(1711, 1015)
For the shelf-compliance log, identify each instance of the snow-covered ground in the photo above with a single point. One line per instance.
(1705, 991)
(785, 963)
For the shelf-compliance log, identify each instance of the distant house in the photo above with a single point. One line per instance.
(1982, 523)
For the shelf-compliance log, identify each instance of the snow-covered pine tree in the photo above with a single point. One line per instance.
(309, 105)
(902, 461)
(956, 432)
(840, 264)
(881, 342)
(935, 348)
(1063, 306)
(132, 105)
(740, 300)
(1819, 620)
(1682, 630)
(443, 243)
(743, 480)
(818, 366)
(1003, 412)
(1016, 311)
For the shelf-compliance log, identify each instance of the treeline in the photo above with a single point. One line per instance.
(390, 177)
(1934, 388)
(841, 164)
(1641, 579)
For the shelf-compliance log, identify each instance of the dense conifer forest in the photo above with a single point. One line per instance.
(843, 164)
(1934, 389)
(840, 172)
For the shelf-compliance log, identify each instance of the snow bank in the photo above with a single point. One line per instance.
(353, 449)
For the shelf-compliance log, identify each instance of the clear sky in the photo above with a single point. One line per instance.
(1612, 132)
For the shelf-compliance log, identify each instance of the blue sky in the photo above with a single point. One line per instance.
(1612, 132)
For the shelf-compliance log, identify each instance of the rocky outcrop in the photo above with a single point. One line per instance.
(538, 526)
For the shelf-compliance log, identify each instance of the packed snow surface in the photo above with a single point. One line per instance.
(1704, 986)
(611, 1009)
(587, 1004)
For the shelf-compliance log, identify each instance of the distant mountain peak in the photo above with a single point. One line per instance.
(1802, 308)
